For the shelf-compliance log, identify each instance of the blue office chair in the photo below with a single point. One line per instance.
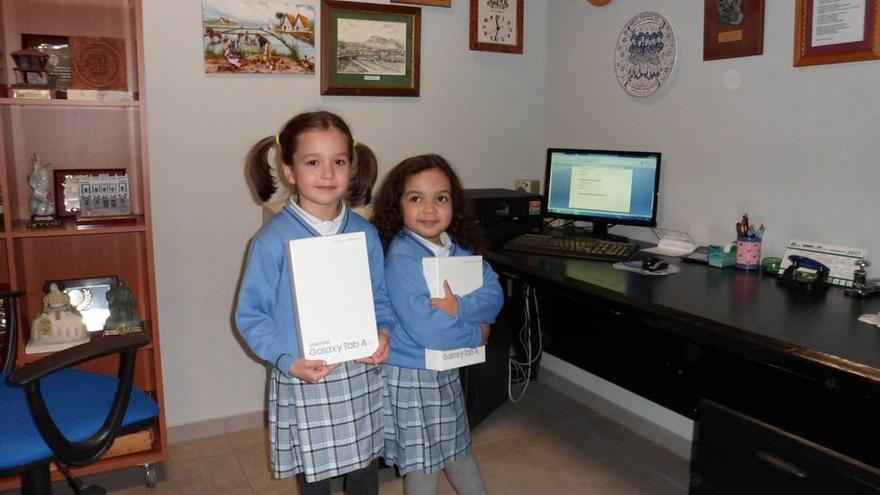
(50, 412)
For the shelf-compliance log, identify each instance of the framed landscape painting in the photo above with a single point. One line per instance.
(369, 49)
(257, 36)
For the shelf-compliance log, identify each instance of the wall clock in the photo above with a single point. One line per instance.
(645, 54)
(497, 25)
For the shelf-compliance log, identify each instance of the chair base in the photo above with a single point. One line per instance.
(36, 481)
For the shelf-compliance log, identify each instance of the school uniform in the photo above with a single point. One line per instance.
(426, 420)
(322, 429)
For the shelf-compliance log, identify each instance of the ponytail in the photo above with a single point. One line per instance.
(259, 171)
(364, 172)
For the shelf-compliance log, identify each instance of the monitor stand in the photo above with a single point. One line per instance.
(599, 231)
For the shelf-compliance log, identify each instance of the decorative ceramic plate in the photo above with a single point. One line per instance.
(645, 54)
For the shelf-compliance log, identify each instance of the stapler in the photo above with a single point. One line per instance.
(805, 274)
(862, 287)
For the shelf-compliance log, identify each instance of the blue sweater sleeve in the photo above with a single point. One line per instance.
(483, 304)
(381, 302)
(256, 298)
(429, 327)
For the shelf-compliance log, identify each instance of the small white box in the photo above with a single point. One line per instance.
(333, 297)
(456, 358)
(464, 274)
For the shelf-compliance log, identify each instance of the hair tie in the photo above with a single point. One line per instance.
(278, 139)
(354, 143)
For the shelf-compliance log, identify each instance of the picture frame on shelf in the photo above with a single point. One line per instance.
(842, 32)
(89, 297)
(67, 191)
(429, 3)
(58, 49)
(369, 49)
(732, 29)
(497, 26)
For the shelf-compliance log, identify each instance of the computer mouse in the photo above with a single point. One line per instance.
(654, 264)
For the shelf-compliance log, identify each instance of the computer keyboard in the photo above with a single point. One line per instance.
(573, 247)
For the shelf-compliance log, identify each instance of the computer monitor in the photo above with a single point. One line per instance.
(602, 187)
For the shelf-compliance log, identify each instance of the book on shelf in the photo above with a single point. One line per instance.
(333, 297)
(464, 275)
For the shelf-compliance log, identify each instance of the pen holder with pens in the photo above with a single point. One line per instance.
(748, 253)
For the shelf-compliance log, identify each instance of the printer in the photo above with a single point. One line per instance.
(505, 213)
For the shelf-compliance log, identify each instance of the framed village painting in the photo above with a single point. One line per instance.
(369, 49)
(258, 36)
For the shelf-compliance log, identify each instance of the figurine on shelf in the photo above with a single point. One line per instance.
(123, 317)
(42, 210)
(59, 325)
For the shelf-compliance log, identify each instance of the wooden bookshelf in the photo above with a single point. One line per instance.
(79, 135)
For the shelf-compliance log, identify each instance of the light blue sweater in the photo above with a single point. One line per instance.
(419, 326)
(264, 314)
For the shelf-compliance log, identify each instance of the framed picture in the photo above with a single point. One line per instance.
(430, 3)
(835, 32)
(258, 37)
(369, 49)
(58, 49)
(733, 28)
(497, 26)
(89, 297)
(66, 184)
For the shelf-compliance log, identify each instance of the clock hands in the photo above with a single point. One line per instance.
(497, 29)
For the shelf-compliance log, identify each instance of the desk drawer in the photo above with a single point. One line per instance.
(737, 454)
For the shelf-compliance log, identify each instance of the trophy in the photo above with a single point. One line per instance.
(31, 75)
(42, 210)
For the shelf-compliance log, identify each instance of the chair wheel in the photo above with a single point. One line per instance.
(92, 490)
(150, 475)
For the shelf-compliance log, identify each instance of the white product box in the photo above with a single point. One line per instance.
(464, 274)
(333, 297)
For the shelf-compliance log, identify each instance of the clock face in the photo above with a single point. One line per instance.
(496, 28)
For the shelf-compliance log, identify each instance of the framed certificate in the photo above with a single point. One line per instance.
(834, 32)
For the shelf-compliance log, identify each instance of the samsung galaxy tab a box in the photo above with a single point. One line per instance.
(333, 297)
(464, 274)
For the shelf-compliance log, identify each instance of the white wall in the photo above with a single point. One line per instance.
(795, 147)
(481, 110)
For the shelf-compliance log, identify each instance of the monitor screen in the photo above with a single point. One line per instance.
(605, 187)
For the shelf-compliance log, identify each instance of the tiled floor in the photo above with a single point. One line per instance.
(546, 444)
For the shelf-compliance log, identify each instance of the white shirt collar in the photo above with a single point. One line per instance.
(441, 251)
(323, 227)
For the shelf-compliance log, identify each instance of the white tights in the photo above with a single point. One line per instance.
(463, 473)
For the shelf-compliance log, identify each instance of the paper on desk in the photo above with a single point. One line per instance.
(671, 243)
(840, 260)
(873, 319)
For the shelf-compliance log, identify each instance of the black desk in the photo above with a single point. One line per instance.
(798, 362)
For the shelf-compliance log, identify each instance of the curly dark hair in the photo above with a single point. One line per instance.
(388, 216)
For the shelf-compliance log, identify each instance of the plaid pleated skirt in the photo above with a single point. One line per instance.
(328, 428)
(426, 424)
